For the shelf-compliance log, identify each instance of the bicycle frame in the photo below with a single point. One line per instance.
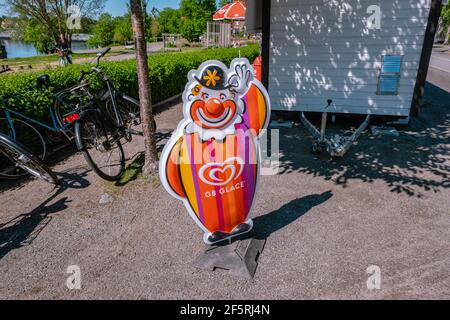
(55, 126)
(112, 93)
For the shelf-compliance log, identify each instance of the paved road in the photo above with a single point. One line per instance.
(152, 47)
(439, 71)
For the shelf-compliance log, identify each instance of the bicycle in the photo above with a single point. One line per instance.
(21, 128)
(64, 57)
(106, 119)
(26, 160)
(109, 103)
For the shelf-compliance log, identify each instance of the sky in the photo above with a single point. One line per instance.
(118, 7)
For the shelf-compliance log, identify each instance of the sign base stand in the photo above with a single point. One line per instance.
(239, 256)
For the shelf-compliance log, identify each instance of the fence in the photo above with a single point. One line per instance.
(218, 34)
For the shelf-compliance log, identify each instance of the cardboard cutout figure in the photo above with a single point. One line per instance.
(212, 161)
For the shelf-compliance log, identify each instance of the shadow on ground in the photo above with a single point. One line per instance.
(58, 156)
(134, 170)
(23, 229)
(272, 222)
(411, 164)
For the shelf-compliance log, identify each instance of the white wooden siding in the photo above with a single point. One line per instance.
(323, 49)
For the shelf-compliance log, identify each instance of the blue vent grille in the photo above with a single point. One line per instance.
(392, 64)
(389, 78)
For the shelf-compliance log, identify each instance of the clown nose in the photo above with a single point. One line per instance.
(215, 107)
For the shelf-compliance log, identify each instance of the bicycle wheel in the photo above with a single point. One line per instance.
(29, 137)
(130, 110)
(25, 160)
(100, 143)
(133, 108)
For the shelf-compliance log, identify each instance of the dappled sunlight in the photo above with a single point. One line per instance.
(416, 162)
(323, 50)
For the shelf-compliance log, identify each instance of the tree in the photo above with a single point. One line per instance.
(155, 29)
(147, 18)
(223, 3)
(446, 22)
(87, 25)
(122, 29)
(33, 32)
(194, 15)
(53, 14)
(190, 19)
(148, 123)
(192, 29)
(169, 21)
(103, 33)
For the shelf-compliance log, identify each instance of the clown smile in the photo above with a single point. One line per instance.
(219, 121)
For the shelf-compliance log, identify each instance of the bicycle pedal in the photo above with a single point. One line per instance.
(134, 132)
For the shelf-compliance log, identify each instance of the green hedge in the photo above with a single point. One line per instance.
(168, 74)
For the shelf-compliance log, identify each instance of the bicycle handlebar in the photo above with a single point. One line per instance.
(94, 69)
(105, 52)
(101, 55)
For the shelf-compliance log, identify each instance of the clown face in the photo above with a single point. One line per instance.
(213, 109)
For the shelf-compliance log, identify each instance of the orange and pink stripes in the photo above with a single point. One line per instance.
(255, 115)
(219, 207)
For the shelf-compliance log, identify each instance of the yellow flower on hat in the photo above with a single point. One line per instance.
(211, 78)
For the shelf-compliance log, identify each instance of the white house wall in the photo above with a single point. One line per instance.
(323, 49)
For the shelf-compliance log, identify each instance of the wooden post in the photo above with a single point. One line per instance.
(427, 50)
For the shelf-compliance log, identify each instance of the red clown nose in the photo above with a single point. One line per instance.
(215, 107)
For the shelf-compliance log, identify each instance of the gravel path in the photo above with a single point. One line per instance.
(386, 204)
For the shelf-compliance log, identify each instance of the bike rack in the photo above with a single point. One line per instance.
(336, 146)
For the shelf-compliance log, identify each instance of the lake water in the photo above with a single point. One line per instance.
(18, 49)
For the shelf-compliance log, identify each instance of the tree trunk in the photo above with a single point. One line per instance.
(148, 123)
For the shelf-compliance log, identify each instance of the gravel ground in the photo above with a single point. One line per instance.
(326, 221)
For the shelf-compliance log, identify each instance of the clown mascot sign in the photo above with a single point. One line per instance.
(212, 161)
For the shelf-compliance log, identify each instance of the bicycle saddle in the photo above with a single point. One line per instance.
(43, 81)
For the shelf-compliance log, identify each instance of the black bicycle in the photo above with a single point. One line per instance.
(107, 118)
(23, 159)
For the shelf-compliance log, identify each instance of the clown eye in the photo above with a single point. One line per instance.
(223, 97)
(205, 96)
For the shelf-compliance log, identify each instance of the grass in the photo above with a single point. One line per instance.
(133, 173)
(46, 61)
(41, 59)
(51, 60)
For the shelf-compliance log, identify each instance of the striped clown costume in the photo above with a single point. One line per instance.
(212, 161)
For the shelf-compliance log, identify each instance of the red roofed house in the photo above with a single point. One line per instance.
(235, 12)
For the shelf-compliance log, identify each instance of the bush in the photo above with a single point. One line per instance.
(168, 75)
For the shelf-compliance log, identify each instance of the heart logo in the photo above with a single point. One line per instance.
(221, 174)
